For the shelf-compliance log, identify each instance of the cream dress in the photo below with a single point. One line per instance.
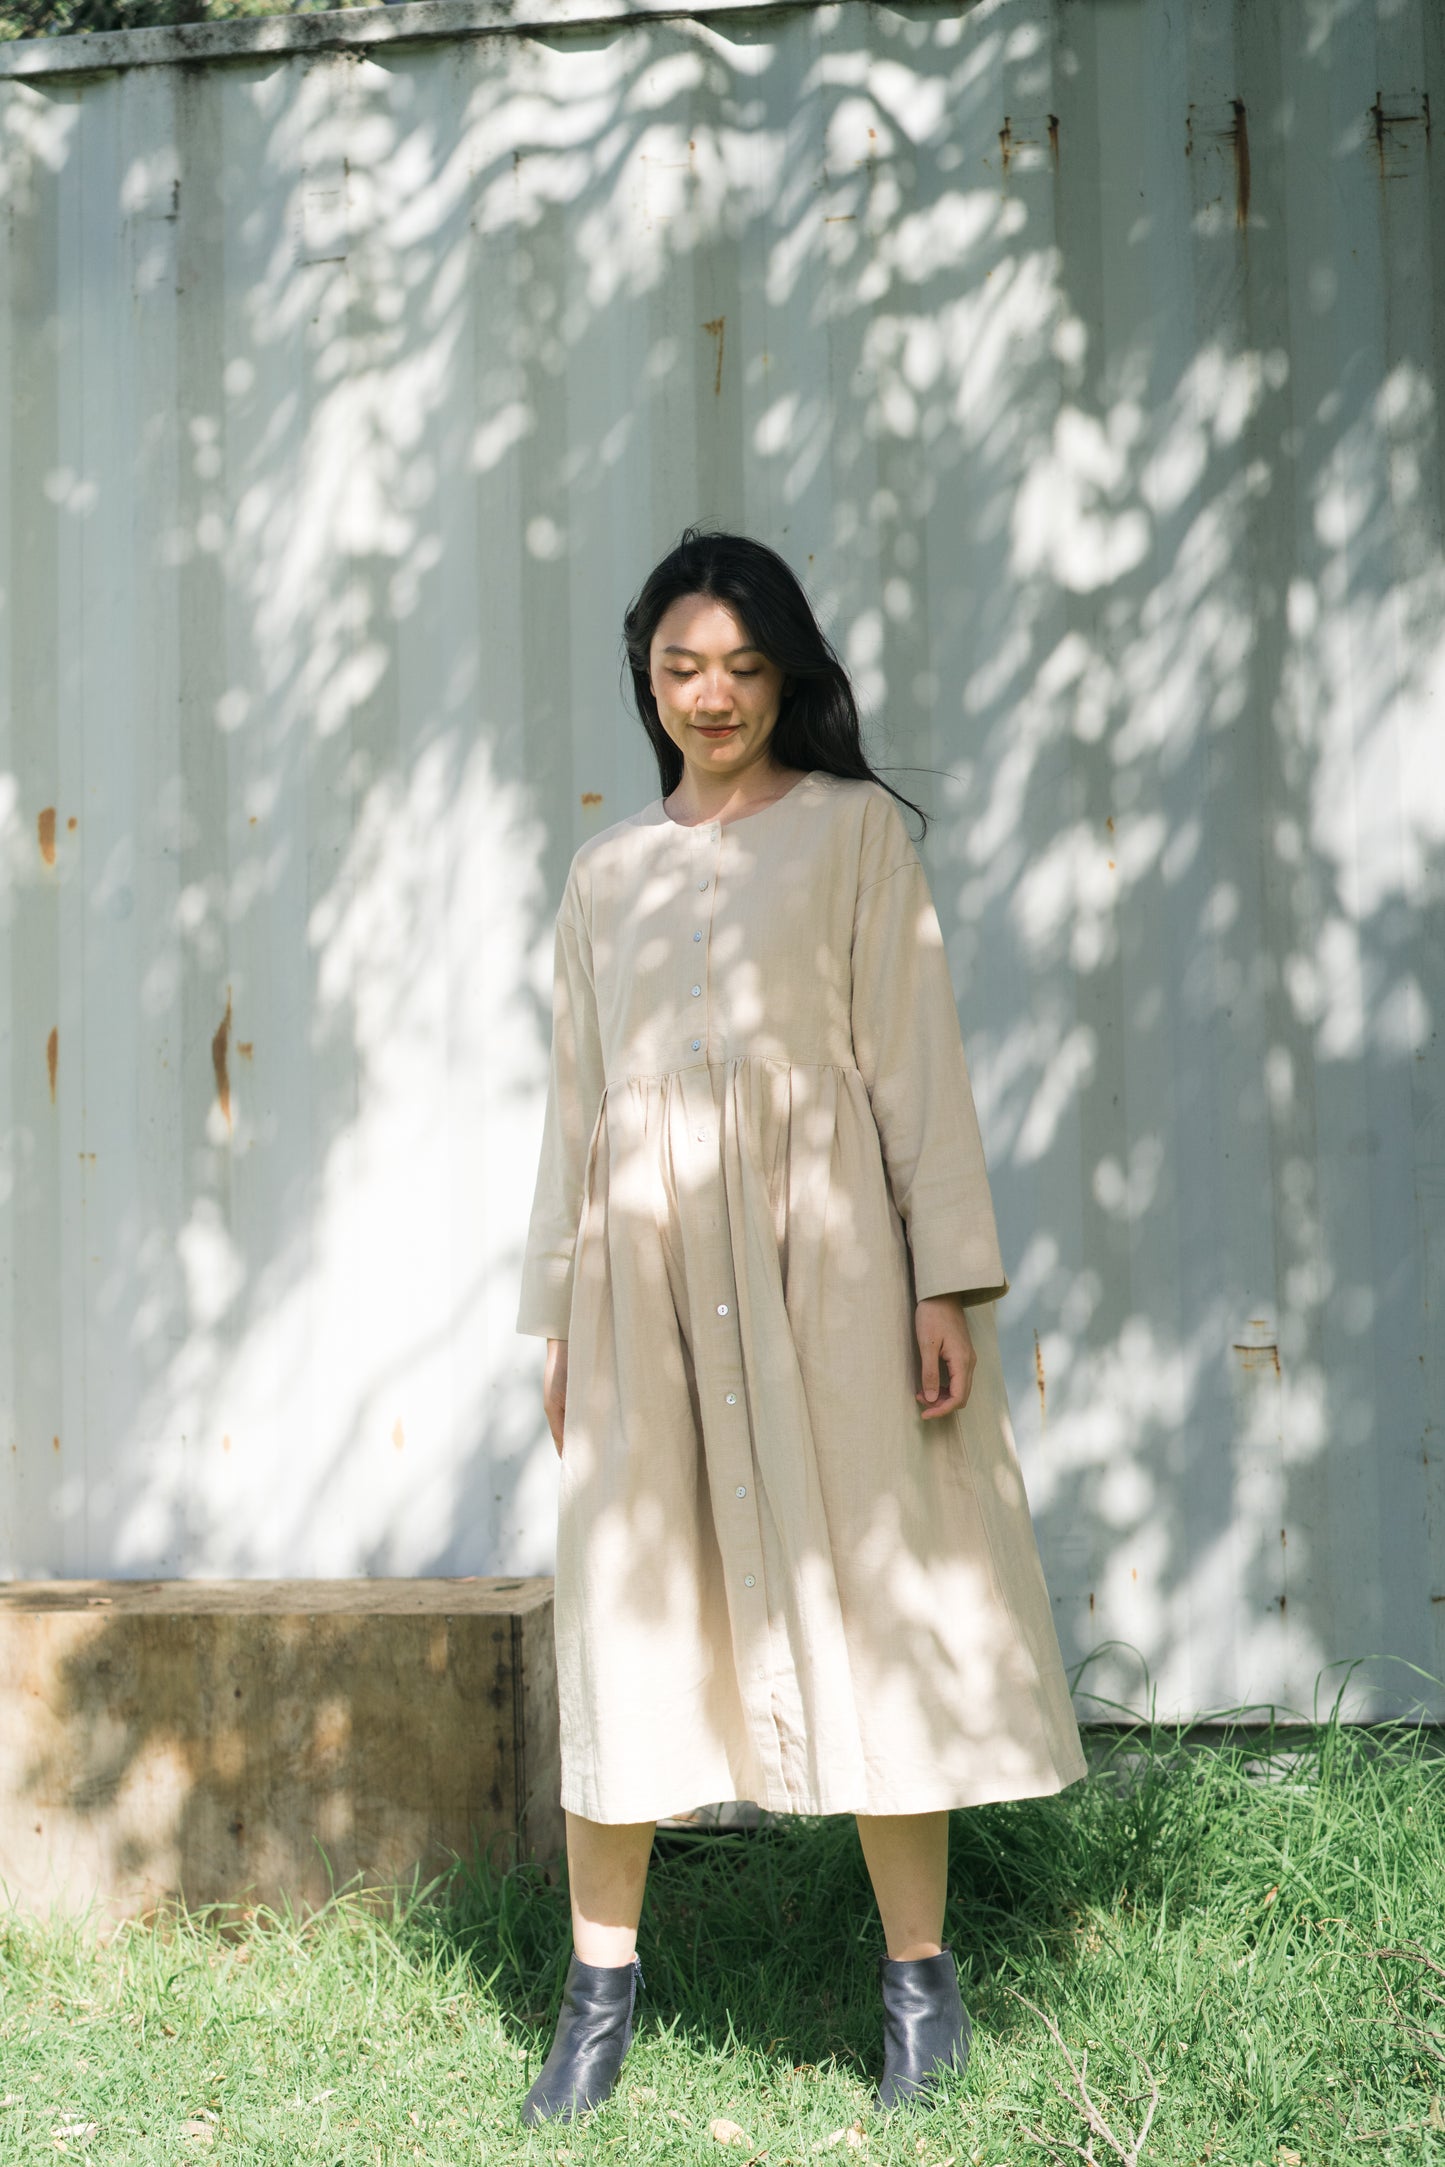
(775, 1581)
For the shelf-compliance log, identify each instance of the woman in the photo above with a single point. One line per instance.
(795, 1562)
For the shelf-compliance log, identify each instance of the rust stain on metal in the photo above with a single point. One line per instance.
(1006, 144)
(1091, 1599)
(245, 1046)
(225, 1444)
(398, 1436)
(1392, 119)
(218, 1060)
(45, 829)
(52, 1058)
(55, 1444)
(72, 823)
(592, 797)
(717, 329)
(1039, 1378)
(1054, 139)
(1265, 1357)
(1239, 137)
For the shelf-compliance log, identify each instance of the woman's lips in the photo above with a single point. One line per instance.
(705, 729)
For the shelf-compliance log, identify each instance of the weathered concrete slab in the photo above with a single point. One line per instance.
(262, 1741)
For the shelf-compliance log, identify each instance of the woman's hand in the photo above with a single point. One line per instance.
(554, 1389)
(941, 1322)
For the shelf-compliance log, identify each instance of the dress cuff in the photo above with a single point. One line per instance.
(950, 1260)
(545, 1309)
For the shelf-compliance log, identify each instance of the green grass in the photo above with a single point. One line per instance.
(1173, 1917)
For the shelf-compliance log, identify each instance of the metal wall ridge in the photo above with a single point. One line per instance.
(1085, 360)
(106, 52)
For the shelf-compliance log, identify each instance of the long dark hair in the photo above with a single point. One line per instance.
(817, 725)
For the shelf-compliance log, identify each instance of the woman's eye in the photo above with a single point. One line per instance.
(745, 673)
(680, 677)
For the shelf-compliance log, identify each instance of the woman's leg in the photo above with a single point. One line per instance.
(907, 1859)
(607, 1873)
(926, 2028)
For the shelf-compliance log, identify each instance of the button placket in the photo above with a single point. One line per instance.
(704, 842)
(728, 1446)
(727, 1427)
(733, 1446)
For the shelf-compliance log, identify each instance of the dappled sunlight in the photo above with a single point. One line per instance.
(1081, 361)
(371, 1324)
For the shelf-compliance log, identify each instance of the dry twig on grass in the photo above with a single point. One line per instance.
(1098, 2127)
(1415, 1954)
(1426, 2034)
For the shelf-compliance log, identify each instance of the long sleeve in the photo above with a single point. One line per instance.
(909, 1049)
(574, 1093)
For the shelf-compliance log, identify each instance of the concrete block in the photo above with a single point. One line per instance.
(261, 1741)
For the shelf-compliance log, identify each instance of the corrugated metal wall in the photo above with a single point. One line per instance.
(1085, 358)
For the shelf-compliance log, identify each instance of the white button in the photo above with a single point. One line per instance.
(695, 1044)
(697, 936)
(742, 1489)
(747, 1580)
(697, 989)
(702, 884)
(732, 1402)
(722, 1309)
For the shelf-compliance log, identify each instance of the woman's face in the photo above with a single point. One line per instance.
(718, 698)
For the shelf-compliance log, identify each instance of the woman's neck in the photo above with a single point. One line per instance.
(698, 798)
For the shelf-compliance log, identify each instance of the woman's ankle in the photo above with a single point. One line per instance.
(609, 1950)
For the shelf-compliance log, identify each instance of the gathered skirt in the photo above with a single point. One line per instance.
(775, 1580)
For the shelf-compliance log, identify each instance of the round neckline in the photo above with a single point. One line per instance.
(692, 827)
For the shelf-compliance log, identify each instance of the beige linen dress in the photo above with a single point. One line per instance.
(775, 1581)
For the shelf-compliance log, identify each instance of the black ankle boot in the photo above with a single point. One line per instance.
(594, 2031)
(926, 2028)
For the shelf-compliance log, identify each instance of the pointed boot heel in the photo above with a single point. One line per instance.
(594, 2031)
(926, 2029)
